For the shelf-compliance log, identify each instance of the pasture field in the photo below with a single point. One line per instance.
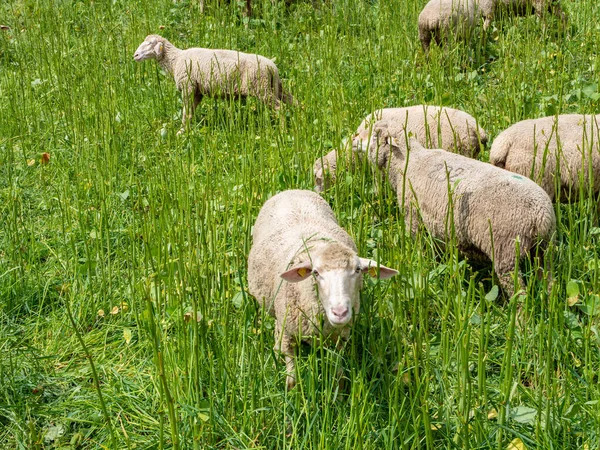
(125, 321)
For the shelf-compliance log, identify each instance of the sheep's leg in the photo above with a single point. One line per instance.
(284, 344)
(505, 279)
(197, 100)
(425, 37)
(190, 101)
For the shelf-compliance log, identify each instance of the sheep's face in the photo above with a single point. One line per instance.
(151, 48)
(338, 278)
(324, 172)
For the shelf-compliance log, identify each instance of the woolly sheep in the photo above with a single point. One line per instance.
(201, 71)
(532, 148)
(441, 17)
(492, 207)
(449, 128)
(295, 238)
(325, 167)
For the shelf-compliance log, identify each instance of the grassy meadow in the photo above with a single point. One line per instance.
(125, 321)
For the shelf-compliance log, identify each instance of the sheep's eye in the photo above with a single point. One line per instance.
(358, 270)
(315, 273)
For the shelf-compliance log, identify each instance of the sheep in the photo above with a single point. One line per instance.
(441, 17)
(201, 71)
(492, 208)
(296, 238)
(325, 167)
(449, 128)
(522, 7)
(532, 148)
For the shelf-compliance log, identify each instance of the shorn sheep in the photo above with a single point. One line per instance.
(492, 208)
(433, 126)
(217, 73)
(304, 270)
(564, 147)
(440, 18)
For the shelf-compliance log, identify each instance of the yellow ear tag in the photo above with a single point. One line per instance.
(373, 271)
(160, 47)
(302, 272)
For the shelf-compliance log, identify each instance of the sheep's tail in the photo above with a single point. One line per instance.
(499, 151)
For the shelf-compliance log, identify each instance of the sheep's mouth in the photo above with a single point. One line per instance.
(339, 322)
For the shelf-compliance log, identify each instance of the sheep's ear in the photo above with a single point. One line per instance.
(369, 266)
(298, 273)
(159, 48)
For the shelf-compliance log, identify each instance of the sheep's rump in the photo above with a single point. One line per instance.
(533, 147)
(432, 126)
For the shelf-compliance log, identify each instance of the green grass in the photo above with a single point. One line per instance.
(125, 320)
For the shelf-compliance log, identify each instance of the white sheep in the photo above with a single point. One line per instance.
(533, 148)
(218, 73)
(439, 18)
(492, 208)
(304, 270)
(433, 126)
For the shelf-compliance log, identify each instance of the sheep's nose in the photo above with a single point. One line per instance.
(340, 311)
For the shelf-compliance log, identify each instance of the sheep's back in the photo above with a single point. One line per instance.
(208, 68)
(433, 126)
(443, 13)
(531, 148)
(482, 195)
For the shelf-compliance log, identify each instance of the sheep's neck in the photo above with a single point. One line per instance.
(169, 55)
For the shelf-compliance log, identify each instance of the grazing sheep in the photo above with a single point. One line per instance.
(533, 147)
(325, 167)
(433, 126)
(439, 18)
(521, 7)
(296, 238)
(491, 207)
(202, 71)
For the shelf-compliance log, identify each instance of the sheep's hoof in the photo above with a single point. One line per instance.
(181, 131)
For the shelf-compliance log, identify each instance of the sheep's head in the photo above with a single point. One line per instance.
(324, 171)
(374, 142)
(337, 272)
(152, 48)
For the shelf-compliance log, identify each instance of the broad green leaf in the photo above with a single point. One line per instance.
(571, 320)
(572, 292)
(127, 335)
(589, 90)
(591, 306)
(493, 294)
(523, 414)
(238, 299)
